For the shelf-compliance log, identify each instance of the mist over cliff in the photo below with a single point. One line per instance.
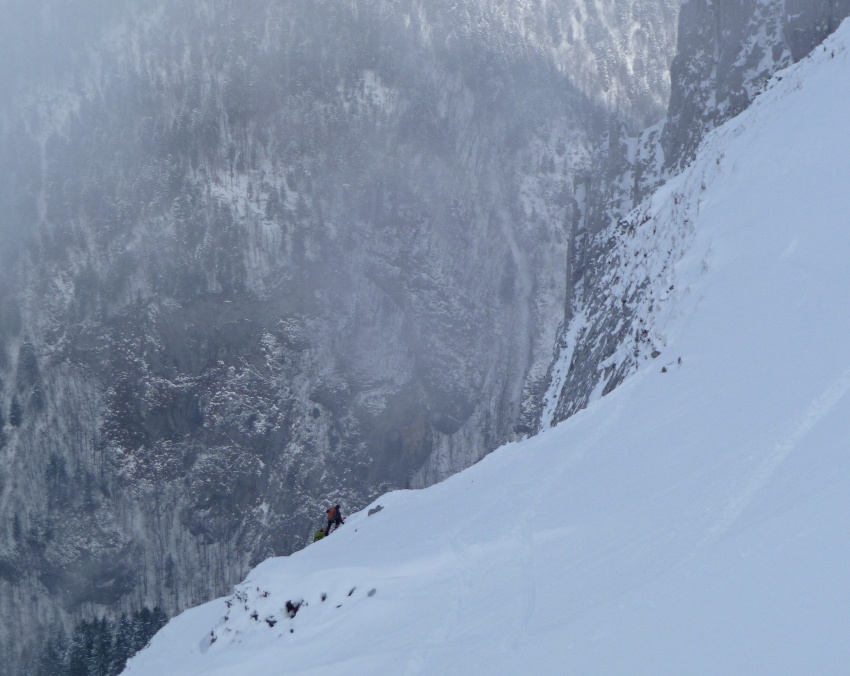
(259, 256)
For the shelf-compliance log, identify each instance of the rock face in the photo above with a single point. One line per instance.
(727, 51)
(258, 256)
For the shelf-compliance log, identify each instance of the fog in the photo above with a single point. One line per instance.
(46, 41)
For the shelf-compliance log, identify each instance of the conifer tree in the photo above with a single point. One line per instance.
(52, 660)
(122, 646)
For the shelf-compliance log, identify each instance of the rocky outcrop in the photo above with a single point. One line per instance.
(727, 52)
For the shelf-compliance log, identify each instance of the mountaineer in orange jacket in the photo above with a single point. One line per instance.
(334, 519)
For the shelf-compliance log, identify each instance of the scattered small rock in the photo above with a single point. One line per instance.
(352, 591)
(271, 621)
(292, 608)
(375, 510)
(291, 631)
(372, 592)
(655, 354)
(663, 369)
(324, 596)
(255, 616)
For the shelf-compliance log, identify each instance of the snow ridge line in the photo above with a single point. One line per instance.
(816, 411)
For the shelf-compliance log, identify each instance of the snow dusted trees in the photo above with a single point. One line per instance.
(99, 647)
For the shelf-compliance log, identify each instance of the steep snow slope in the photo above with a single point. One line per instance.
(695, 519)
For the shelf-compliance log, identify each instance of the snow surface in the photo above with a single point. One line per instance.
(693, 521)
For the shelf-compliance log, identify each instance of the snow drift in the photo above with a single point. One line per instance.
(695, 519)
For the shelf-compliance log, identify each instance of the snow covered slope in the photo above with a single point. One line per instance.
(696, 519)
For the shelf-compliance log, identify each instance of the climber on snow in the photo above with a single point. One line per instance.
(334, 519)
